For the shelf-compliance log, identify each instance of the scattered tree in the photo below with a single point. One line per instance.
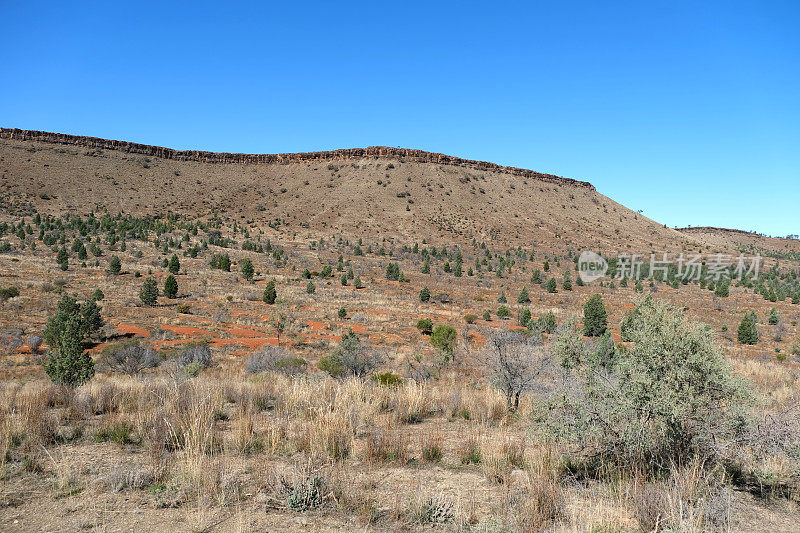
(515, 364)
(595, 318)
(247, 269)
(748, 332)
(551, 286)
(425, 326)
(170, 287)
(444, 338)
(114, 265)
(424, 294)
(270, 294)
(149, 293)
(174, 265)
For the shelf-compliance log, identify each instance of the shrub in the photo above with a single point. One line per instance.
(502, 298)
(551, 285)
(432, 448)
(444, 338)
(184, 309)
(487, 315)
(194, 353)
(6, 293)
(170, 287)
(523, 296)
(547, 323)
(747, 333)
(594, 317)
(470, 318)
(98, 295)
(192, 370)
(796, 347)
(174, 264)
(119, 432)
(306, 495)
(66, 331)
(311, 288)
(524, 317)
(503, 312)
(515, 363)
(351, 357)
(425, 326)
(424, 294)
(128, 357)
(774, 317)
(668, 399)
(149, 293)
(275, 359)
(247, 269)
(270, 294)
(221, 262)
(387, 379)
(393, 272)
(722, 289)
(114, 265)
(342, 313)
(34, 343)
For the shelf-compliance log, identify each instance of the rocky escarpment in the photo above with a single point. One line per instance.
(419, 156)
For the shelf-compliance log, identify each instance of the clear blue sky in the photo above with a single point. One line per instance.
(689, 111)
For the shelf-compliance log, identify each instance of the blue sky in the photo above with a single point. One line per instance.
(689, 111)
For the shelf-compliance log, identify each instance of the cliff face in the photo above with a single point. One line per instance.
(419, 156)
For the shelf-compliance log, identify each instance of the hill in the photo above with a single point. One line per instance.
(747, 242)
(375, 192)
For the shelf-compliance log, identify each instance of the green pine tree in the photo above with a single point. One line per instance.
(247, 269)
(748, 332)
(424, 295)
(170, 287)
(774, 317)
(174, 265)
(595, 318)
(149, 293)
(523, 297)
(551, 285)
(270, 294)
(114, 265)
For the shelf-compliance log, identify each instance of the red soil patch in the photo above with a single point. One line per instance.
(129, 329)
(99, 348)
(187, 330)
(391, 337)
(316, 327)
(477, 338)
(358, 328)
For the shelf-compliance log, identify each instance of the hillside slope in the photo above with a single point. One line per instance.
(375, 193)
(746, 242)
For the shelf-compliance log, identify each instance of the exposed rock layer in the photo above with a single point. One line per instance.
(420, 156)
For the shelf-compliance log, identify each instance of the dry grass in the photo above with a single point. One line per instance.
(211, 443)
